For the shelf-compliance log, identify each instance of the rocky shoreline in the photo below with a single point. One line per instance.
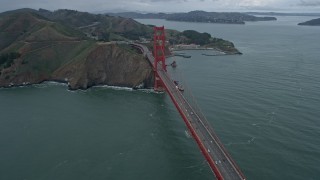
(65, 83)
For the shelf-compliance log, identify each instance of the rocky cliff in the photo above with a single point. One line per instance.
(107, 64)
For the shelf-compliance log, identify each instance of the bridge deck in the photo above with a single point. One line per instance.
(213, 150)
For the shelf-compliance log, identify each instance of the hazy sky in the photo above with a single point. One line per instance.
(166, 5)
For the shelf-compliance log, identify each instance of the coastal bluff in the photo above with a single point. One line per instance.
(107, 64)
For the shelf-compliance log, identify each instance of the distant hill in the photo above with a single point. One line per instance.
(136, 15)
(198, 16)
(101, 27)
(282, 14)
(115, 28)
(313, 22)
(22, 10)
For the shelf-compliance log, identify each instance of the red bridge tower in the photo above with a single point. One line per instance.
(159, 56)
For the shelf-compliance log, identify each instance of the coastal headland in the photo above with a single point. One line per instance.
(83, 49)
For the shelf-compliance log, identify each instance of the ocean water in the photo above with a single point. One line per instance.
(264, 105)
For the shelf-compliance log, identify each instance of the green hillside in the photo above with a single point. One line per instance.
(35, 46)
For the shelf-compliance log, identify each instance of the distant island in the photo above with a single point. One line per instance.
(198, 16)
(83, 49)
(282, 14)
(313, 22)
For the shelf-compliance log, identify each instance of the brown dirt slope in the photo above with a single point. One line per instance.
(107, 65)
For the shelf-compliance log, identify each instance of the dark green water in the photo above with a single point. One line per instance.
(48, 132)
(264, 105)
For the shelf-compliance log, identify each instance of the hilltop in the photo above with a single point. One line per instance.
(313, 22)
(98, 26)
(198, 16)
(81, 49)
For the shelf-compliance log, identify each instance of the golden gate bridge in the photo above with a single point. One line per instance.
(219, 160)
